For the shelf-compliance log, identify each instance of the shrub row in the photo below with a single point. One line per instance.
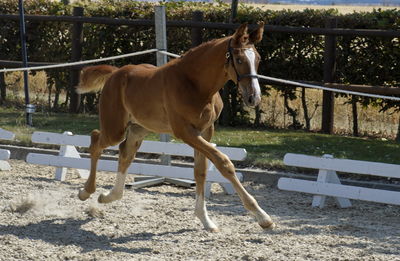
(360, 60)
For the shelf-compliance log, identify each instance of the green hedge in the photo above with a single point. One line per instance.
(360, 60)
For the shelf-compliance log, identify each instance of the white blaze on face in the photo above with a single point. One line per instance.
(251, 56)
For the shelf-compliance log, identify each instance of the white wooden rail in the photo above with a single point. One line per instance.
(328, 183)
(70, 158)
(5, 154)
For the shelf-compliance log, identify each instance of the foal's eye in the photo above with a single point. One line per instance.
(239, 61)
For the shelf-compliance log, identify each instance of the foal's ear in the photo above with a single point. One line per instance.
(256, 35)
(240, 36)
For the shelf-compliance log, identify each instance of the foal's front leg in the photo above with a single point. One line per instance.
(227, 169)
(200, 173)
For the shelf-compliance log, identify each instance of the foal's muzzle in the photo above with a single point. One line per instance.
(252, 100)
(251, 94)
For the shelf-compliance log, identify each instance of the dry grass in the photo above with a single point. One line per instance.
(371, 121)
(37, 84)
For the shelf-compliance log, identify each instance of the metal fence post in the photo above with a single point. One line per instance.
(328, 98)
(161, 44)
(30, 108)
(161, 34)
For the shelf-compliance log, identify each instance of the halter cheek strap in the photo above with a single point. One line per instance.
(229, 58)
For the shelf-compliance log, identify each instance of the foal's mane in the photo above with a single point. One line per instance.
(194, 50)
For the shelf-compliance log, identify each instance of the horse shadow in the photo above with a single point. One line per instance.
(67, 232)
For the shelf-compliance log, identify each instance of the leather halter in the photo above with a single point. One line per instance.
(229, 58)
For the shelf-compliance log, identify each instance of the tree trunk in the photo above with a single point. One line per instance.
(56, 99)
(227, 110)
(355, 116)
(398, 132)
(305, 108)
(257, 120)
(235, 105)
(66, 99)
(3, 91)
(292, 113)
(49, 88)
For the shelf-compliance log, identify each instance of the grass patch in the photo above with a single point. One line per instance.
(265, 147)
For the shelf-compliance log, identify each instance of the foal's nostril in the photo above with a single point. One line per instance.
(251, 100)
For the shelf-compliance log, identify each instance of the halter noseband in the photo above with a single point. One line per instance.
(229, 57)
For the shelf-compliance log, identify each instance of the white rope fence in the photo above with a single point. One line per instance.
(327, 88)
(308, 85)
(78, 63)
(170, 54)
(177, 56)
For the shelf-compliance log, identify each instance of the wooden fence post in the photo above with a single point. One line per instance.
(77, 40)
(234, 8)
(196, 32)
(328, 99)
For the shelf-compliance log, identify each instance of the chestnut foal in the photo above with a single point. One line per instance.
(180, 98)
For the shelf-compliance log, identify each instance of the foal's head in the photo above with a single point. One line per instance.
(243, 60)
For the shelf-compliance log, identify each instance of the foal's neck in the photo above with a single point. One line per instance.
(204, 66)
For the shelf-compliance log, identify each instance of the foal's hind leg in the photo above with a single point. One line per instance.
(200, 174)
(96, 148)
(127, 150)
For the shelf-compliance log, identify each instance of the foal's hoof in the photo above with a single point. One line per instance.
(267, 225)
(83, 195)
(213, 229)
(107, 198)
(103, 199)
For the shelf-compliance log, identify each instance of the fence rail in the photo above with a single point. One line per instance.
(208, 25)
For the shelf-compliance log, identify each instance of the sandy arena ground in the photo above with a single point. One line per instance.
(42, 219)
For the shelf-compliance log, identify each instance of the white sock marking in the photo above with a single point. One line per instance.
(201, 213)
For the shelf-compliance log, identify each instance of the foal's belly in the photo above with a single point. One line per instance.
(154, 124)
(152, 118)
(145, 103)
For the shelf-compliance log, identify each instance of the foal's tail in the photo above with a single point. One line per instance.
(93, 78)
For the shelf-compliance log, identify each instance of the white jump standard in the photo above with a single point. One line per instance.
(328, 183)
(70, 158)
(5, 154)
